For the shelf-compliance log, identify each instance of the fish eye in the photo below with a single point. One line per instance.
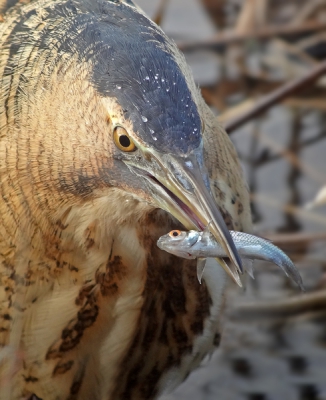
(174, 233)
(122, 140)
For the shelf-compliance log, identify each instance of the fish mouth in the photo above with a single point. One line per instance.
(179, 186)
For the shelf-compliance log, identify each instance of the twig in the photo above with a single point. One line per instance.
(308, 316)
(311, 41)
(276, 96)
(160, 13)
(308, 261)
(267, 158)
(305, 262)
(292, 158)
(239, 109)
(294, 305)
(268, 200)
(247, 17)
(291, 51)
(219, 42)
(289, 238)
(306, 11)
(310, 103)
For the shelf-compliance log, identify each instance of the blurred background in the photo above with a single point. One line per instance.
(240, 51)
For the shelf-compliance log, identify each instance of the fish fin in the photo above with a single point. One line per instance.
(207, 227)
(201, 262)
(206, 231)
(248, 264)
(228, 266)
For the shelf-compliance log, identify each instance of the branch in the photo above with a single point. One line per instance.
(280, 239)
(160, 13)
(276, 96)
(222, 40)
(292, 306)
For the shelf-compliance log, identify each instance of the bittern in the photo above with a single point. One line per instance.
(105, 145)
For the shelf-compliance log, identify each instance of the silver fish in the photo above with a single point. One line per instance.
(200, 245)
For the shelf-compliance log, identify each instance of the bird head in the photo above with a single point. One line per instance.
(148, 112)
(157, 125)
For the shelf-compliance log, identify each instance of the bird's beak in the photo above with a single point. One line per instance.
(180, 186)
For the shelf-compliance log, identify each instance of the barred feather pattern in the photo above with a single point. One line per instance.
(89, 306)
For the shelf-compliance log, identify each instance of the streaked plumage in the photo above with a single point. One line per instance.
(90, 307)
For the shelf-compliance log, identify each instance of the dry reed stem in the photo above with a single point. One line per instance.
(306, 11)
(160, 13)
(292, 158)
(286, 90)
(226, 38)
(267, 199)
(294, 305)
(293, 238)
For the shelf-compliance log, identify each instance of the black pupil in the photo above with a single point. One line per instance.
(175, 234)
(124, 141)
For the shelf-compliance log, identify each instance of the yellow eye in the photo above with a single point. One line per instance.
(175, 233)
(122, 140)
